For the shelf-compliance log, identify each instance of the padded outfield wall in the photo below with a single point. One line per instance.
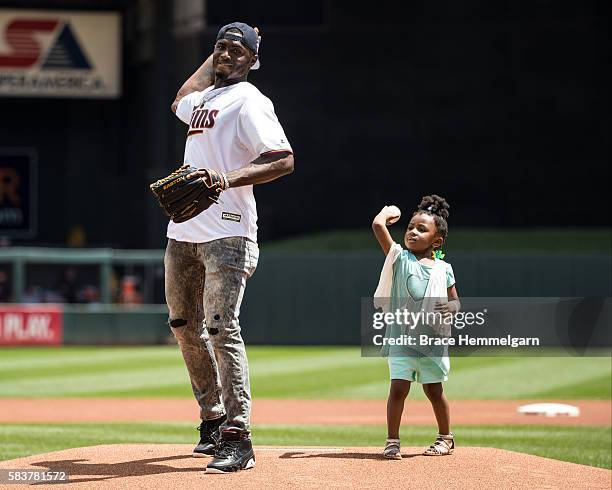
(314, 298)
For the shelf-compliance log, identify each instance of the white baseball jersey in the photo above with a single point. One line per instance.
(229, 127)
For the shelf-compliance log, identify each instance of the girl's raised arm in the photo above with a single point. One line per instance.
(388, 215)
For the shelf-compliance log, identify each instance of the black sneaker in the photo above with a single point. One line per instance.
(209, 435)
(234, 453)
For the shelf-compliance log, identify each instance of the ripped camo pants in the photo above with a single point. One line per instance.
(205, 284)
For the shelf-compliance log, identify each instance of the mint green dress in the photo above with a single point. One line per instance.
(423, 365)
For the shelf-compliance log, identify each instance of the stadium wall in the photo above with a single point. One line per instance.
(315, 298)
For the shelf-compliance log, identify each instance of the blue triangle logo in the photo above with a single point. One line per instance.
(66, 53)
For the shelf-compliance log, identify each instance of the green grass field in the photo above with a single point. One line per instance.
(298, 372)
(289, 372)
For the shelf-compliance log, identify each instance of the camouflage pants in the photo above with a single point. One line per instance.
(205, 284)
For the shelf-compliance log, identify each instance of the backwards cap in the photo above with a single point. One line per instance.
(247, 37)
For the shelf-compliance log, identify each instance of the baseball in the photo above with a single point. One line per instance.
(395, 213)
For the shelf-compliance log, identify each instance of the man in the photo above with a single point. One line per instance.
(232, 129)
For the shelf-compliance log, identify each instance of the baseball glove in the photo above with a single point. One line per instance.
(182, 198)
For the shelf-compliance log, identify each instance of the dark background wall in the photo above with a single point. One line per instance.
(498, 106)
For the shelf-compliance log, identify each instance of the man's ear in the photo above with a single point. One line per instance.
(253, 60)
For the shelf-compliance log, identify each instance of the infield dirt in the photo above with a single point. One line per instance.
(300, 412)
(170, 466)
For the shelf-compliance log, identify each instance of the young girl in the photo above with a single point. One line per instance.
(412, 269)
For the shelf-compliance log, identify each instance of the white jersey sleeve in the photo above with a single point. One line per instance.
(258, 127)
(185, 106)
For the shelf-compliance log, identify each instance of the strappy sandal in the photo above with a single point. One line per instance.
(443, 446)
(392, 449)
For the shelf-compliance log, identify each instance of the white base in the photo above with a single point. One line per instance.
(549, 409)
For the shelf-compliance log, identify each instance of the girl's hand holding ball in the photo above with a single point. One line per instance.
(392, 214)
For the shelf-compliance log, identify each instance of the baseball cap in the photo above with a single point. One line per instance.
(247, 37)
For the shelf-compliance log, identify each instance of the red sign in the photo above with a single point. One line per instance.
(30, 325)
(20, 36)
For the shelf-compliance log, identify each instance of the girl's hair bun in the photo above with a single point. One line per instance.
(435, 205)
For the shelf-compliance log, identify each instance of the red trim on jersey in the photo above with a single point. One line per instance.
(194, 131)
(271, 152)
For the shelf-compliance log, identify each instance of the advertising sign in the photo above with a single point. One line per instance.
(60, 54)
(30, 325)
(18, 192)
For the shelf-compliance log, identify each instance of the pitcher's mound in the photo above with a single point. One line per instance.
(162, 466)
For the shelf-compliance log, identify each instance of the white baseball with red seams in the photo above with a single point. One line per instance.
(395, 214)
(229, 127)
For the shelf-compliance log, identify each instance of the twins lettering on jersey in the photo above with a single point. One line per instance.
(201, 119)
